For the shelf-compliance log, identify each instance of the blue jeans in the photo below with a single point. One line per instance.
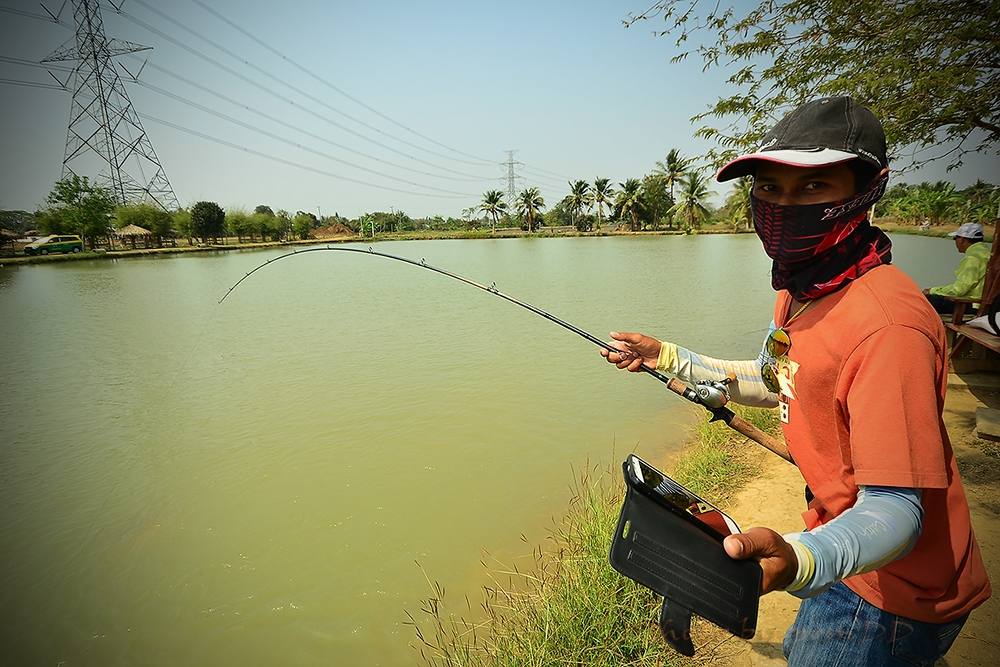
(839, 629)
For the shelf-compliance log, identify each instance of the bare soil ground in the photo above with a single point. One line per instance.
(775, 499)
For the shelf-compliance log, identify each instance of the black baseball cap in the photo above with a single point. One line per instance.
(822, 132)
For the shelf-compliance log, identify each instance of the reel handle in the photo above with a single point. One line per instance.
(735, 422)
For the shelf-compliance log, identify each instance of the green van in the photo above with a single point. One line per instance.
(50, 244)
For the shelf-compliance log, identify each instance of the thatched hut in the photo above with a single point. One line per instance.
(134, 234)
(7, 239)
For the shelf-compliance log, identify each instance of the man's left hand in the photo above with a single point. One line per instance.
(775, 555)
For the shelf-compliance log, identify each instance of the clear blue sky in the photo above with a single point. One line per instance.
(562, 82)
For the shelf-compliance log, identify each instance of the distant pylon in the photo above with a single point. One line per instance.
(103, 124)
(511, 179)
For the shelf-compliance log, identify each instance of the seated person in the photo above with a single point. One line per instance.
(971, 271)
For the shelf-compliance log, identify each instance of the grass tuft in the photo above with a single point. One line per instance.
(572, 608)
(720, 461)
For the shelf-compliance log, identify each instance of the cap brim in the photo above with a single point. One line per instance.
(743, 165)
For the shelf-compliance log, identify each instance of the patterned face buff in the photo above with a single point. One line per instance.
(818, 248)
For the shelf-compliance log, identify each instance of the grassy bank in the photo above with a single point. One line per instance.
(167, 250)
(885, 224)
(572, 607)
(426, 235)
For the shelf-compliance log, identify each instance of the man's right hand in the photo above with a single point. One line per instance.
(636, 351)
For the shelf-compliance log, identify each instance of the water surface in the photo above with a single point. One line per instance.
(188, 483)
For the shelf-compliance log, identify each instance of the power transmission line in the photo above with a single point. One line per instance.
(554, 182)
(30, 15)
(253, 128)
(290, 163)
(32, 84)
(223, 142)
(294, 127)
(469, 177)
(326, 83)
(545, 171)
(284, 98)
(291, 86)
(20, 61)
(32, 63)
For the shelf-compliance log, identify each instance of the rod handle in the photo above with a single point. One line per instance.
(736, 422)
(744, 427)
(679, 388)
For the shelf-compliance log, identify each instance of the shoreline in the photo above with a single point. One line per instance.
(760, 503)
(395, 236)
(540, 609)
(570, 606)
(940, 231)
(169, 250)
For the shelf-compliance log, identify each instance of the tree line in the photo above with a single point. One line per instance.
(78, 206)
(674, 196)
(935, 203)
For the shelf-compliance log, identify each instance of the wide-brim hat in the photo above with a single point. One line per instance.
(819, 133)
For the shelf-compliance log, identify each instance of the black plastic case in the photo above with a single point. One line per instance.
(683, 560)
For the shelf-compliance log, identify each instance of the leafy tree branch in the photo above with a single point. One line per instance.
(929, 69)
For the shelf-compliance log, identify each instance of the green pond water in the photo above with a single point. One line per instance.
(268, 481)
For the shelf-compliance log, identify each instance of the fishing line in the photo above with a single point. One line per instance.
(492, 289)
(710, 395)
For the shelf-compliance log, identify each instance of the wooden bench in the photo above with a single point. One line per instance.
(964, 333)
(962, 308)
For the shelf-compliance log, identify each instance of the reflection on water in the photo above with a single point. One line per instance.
(98, 282)
(8, 274)
(183, 482)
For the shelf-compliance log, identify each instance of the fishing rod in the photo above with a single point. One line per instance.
(711, 395)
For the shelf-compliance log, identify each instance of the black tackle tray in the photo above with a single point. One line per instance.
(683, 560)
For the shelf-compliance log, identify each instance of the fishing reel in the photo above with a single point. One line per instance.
(714, 393)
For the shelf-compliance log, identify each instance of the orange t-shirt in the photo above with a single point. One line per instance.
(864, 389)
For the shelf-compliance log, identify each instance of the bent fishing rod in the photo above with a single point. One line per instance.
(711, 395)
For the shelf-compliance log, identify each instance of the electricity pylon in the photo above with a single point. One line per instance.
(105, 138)
(512, 179)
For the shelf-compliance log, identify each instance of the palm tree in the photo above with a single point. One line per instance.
(601, 195)
(738, 203)
(692, 198)
(629, 201)
(671, 170)
(494, 206)
(529, 204)
(984, 202)
(577, 199)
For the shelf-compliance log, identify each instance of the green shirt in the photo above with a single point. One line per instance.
(969, 275)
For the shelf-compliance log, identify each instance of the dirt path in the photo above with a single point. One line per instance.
(775, 500)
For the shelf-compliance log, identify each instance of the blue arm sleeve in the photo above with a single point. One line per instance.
(883, 526)
(692, 367)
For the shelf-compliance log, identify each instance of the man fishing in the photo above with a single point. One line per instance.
(888, 568)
